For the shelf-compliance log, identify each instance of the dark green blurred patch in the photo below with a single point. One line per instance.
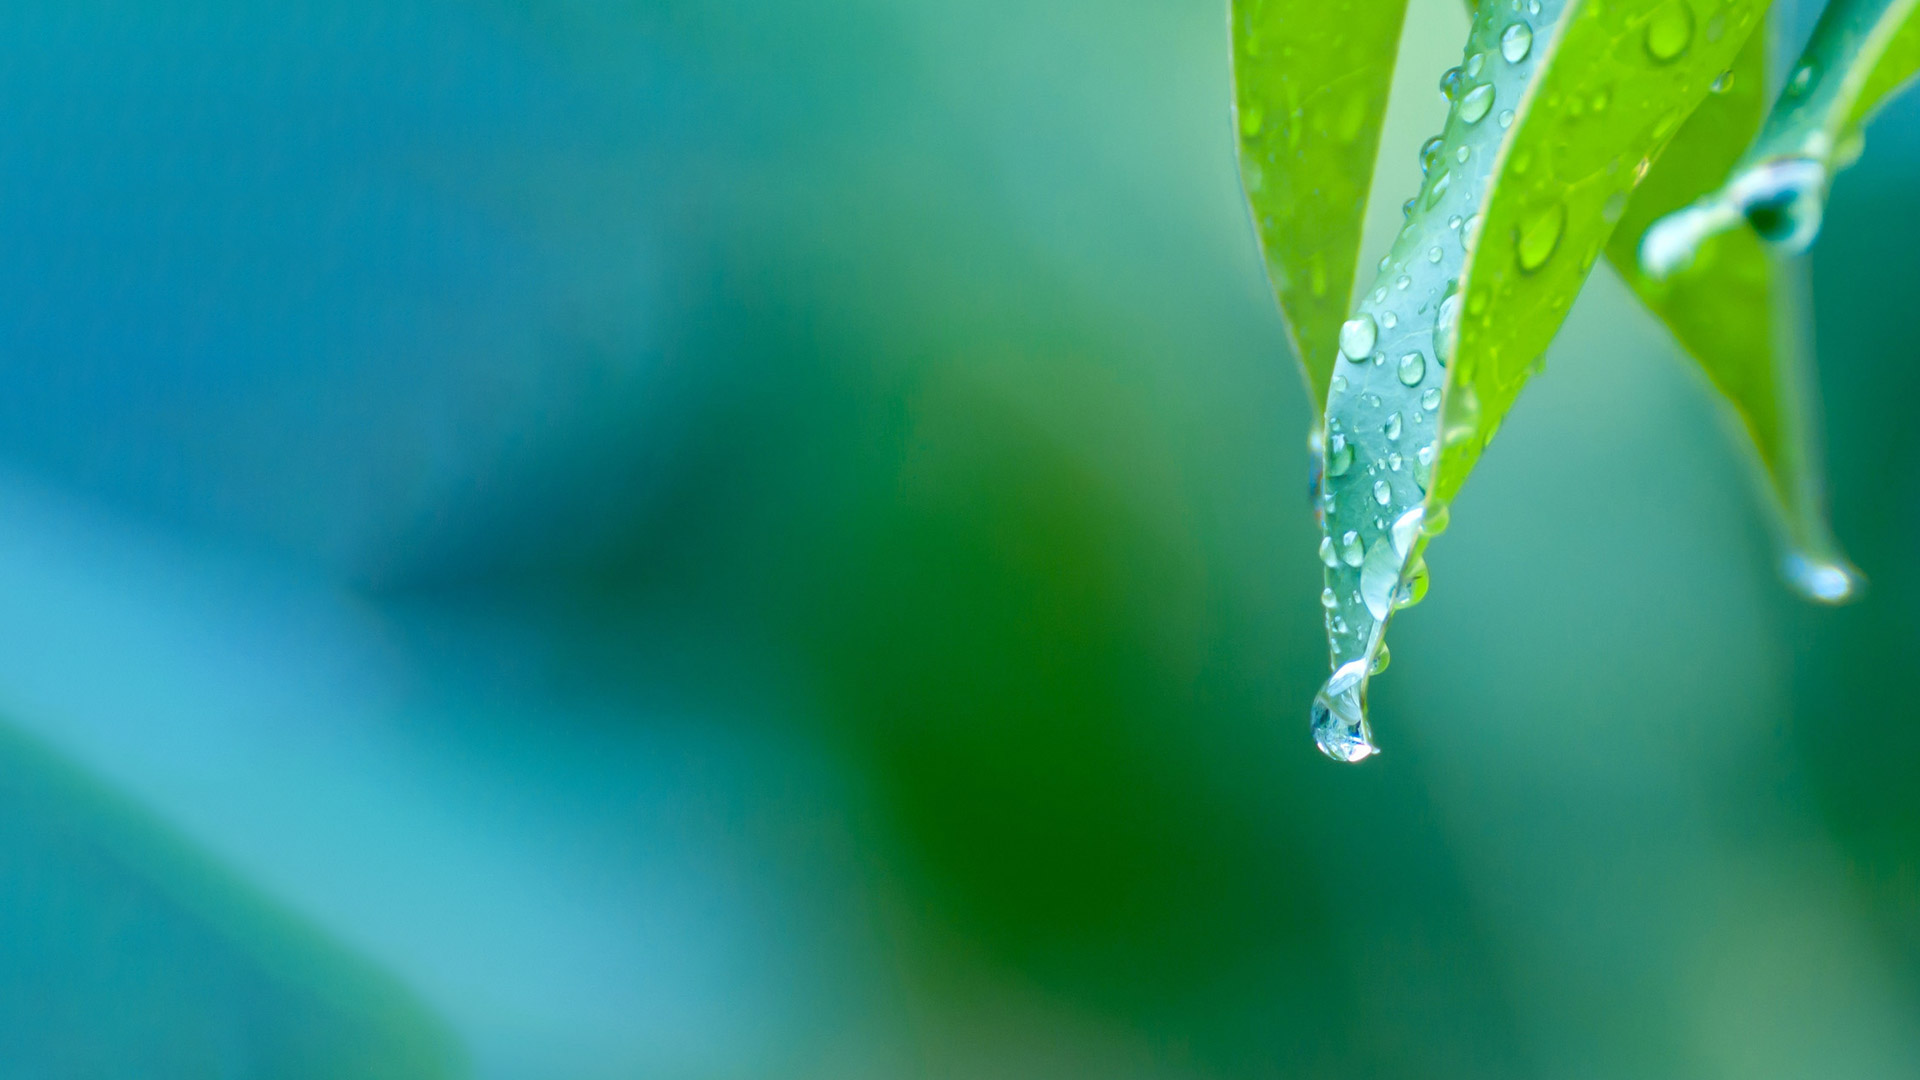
(103, 913)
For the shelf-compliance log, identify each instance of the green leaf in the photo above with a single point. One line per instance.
(1737, 312)
(1310, 84)
(1557, 112)
(1861, 51)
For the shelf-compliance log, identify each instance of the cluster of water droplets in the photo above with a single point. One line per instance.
(1388, 410)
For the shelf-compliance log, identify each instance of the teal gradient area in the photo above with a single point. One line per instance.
(602, 540)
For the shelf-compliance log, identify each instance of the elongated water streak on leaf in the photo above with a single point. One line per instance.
(1558, 109)
(1861, 51)
(1741, 316)
(1310, 92)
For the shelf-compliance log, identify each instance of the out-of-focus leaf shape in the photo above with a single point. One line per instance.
(1736, 311)
(1860, 52)
(1310, 82)
(1557, 113)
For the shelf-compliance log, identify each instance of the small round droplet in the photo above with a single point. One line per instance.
(1430, 398)
(1435, 523)
(1389, 320)
(1461, 155)
(1538, 235)
(1338, 384)
(1395, 461)
(1413, 368)
(1382, 492)
(1475, 65)
(1670, 31)
(1392, 427)
(1339, 455)
(1434, 254)
(1429, 152)
(1516, 41)
(1414, 589)
(1506, 119)
(1802, 80)
(1357, 336)
(1473, 107)
(1450, 83)
(1825, 581)
(1329, 599)
(1722, 84)
(1402, 282)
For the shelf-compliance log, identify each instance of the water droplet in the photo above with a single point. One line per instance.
(1395, 461)
(1380, 660)
(1450, 83)
(1371, 401)
(1434, 254)
(1389, 320)
(1351, 552)
(1357, 336)
(1506, 119)
(1453, 222)
(1339, 456)
(1516, 41)
(1473, 107)
(1329, 599)
(1413, 368)
(1538, 235)
(1723, 83)
(1439, 189)
(1402, 282)
(1445, 324)
(1414, 589)
(1330, 556)
(1406, 529)
(1533, 7)
(1429, 153)
(1435, 523)
(1461, 155)
(1802, 80)
(1670, 31)
(1382, 492)
(1338, 384)
(1430, 399)
(1782, 201)
(1379, 577)
(1392, 427)
(1340, 726)
(1824, 581)
(1475, 65)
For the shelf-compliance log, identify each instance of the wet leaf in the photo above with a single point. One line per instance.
(1739, 312)
(1557, 111)
(1310, 91)
(1860, 52)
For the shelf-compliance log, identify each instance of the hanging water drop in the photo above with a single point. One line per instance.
(1670, 31)
(1414, 589)
(1340, 726)
(1413, 368)
(1429, 153)
(1516, 41)
(1824, 581)
(1450, 83)
(1380, 660)
(1473, 107)
(1379, 577)
(1357, 336)
(1538, 235)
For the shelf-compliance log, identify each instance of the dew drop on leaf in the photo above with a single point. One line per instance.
(1413, 368)
(1473, 107)
(1330, 557)
(1381, 660)
(1450, 83)
(1538, 235)
(1329, 599)
(1516, 41)
(1382, 492)
(1340, 727)
(1350, 551)
(1670, 31)
(1339, 456)
(1429, 153)
(1357, 336)
(1392, 427)
(1430, 400)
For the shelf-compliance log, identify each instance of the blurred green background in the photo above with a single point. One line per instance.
(592, 539)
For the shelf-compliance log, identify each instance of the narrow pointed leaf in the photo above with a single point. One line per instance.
(1558, 109)
(1736, 312)
(1310, 91)
(1861, 51)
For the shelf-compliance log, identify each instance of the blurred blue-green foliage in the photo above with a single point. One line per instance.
(589, 539)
